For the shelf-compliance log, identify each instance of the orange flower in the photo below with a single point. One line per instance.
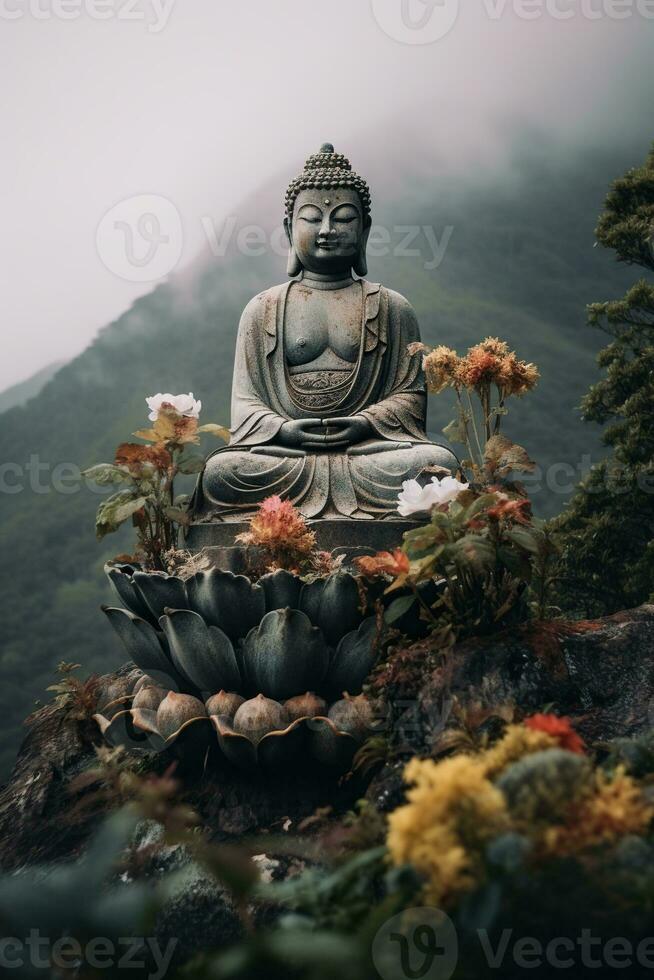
(517, 377)
(615, 809)
(480, 367)
(384, 563)
(559, 728)
(517, 511)
(493, 345)
(442, 367)
(279, 527)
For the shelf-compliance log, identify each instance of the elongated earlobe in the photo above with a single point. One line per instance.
(294, 266)
(360, 265)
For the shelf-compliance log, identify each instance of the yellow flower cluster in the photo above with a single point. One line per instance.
(454, 809)
(518, 741)
(490, 362)
(616, 808)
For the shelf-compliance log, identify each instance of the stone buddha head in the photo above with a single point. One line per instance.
(327, 217)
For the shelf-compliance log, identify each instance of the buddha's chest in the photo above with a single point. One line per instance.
(317, 322)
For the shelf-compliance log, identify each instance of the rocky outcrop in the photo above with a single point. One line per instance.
(600, 673)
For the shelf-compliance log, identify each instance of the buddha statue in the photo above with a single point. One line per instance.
(328, 405)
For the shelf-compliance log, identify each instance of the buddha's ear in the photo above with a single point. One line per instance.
(294, 266)
(360, 264)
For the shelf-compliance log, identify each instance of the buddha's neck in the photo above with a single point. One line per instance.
(317, 280)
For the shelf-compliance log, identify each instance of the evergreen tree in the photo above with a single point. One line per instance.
(607, 529)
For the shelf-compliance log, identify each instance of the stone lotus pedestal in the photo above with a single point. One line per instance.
(215, 646)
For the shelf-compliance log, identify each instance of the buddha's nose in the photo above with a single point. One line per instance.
(327, 230)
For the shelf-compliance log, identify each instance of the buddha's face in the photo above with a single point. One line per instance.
(328, 229)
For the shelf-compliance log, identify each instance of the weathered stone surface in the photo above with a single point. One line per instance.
(600, 673)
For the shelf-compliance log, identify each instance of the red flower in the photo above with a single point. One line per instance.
(559, 728)
(384, 563)
(517, 511)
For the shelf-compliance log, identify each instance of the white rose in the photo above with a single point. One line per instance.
(415, 499)
(183, 404)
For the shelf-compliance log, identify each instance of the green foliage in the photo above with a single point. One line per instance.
(483, 548)
(607, 530)
(150, 472)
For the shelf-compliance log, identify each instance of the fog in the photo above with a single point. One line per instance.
(202, 101)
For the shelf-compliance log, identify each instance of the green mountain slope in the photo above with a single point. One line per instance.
(520, 264)
(20, 393)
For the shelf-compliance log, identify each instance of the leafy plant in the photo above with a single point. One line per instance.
(482, 550)
(147, 474)
(77, 700)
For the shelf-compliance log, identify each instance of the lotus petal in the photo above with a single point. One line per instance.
(175, 711)
(238, 749)
(145, 646)
(203, 654)
(121, 578)
(112, 708)
(230, 602)
(282, 590)
(354, 659)
(120, 731)
(305, 706)
(259, 716)
(333, 605)
(144, 681)
(355, 715)
(149, 697)
(225, 704)
(160, 591)
(285, 655)
(330, 746)
(191, 736)
(145, 722)
(113, 690)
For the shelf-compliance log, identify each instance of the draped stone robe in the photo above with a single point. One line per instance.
(386, 386)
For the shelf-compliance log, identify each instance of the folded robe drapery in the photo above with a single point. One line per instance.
(387, 387)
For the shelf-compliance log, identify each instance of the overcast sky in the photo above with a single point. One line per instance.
(200, 101)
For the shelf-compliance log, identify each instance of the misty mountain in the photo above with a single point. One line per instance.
(510, 255)
(20, 393)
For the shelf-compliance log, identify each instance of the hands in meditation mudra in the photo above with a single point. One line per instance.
(328, 406)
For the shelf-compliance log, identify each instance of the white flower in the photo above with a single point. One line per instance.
(415, 499)
(183, 405)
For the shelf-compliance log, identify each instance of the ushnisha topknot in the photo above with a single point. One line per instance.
(327, 170)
